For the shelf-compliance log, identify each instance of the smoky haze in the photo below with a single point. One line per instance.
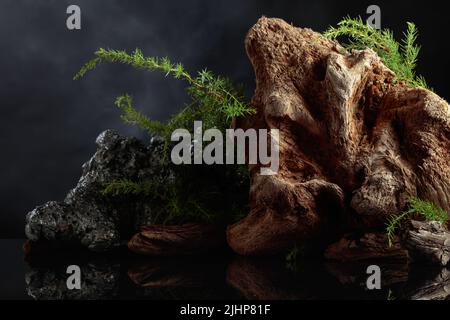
(49, 122)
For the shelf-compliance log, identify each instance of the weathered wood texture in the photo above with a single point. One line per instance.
(355, 144)
(161, 240)
(428, 241)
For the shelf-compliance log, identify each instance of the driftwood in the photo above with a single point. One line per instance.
(428, 241)
(160, 240)
(428, 284)
(371, 246)
(354, 145)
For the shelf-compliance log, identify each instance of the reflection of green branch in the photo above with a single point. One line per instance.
(401, 58)
(428, 210)
(390, 296)
(292, 258)
(394, 223)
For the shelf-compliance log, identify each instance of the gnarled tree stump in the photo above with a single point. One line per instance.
(354, 144)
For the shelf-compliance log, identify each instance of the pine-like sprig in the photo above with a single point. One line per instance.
(217, 97)
(401, 58)
(416, 206)
(133, 116)
(128, 187)
(215, 101)
(173, 205)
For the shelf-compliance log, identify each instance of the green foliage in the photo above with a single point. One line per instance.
(429, 211)
(133, 116)
(173, 208)
(215, 100)
(401, 57)
(390, 296)
(188, 200)
(128, 187)
(198, 193)
(293, 257)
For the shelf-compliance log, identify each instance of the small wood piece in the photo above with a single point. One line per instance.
(428, 241)
(161, 240)
(371, 246)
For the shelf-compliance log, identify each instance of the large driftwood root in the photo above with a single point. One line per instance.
(354, 144)
(160, 240)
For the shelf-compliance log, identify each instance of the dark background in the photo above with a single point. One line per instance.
(48, 123)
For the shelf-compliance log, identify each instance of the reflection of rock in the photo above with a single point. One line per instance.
(352, 140)
(268, 279)
(99, 280)
(88, 218)
(428, 284)
(428, 241)
(370, 246)
(162, 240)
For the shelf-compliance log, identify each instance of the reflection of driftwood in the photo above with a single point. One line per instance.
(355, 273)
(354, 254)
(162, 240)
(437, 287)
(371, 246)
(187, 278)
(262, 280)
(270, 279)
(168, 273)
(428, 241)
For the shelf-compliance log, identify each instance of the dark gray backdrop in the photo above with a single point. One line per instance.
(49, 122)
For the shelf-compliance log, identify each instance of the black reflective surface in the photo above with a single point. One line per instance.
(226, 276)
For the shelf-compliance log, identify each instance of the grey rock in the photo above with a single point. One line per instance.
(88, 218)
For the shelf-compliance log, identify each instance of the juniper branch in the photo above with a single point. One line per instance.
(416, 206)
(401, 58)
(205, 88)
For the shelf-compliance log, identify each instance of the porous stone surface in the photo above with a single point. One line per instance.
(90, 219)
(98, 280)
(355, 144)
